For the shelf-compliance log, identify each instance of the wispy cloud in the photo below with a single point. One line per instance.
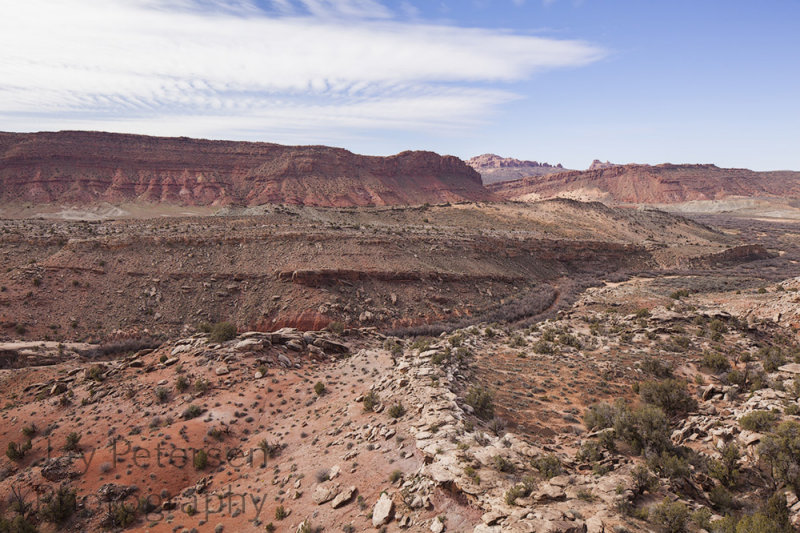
(225, 68)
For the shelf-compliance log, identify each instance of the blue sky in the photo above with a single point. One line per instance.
(555, 80)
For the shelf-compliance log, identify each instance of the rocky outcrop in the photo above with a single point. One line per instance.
(494, 168)
(660, 184)
(89, 167)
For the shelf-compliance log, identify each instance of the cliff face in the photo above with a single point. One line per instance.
(660, 184)
(87, 167)
(494, 168)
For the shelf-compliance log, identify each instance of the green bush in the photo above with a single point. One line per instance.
(759, 421)
(162, 394)
(120, 515)
(482, 402)
(58, 506)
(280, 512)
(397, 410)
(319, 388)
(716, 361)
(657, 367)
(672, 517)
(181, 384)
(18, 524)
(502, 464)
(599, 416)
(670, 395)
(726, 470)
(16, 452)
(222, 331)
(200, 459)
(773, 517)
(193, 411)
(643, 480)
(548, 465)
(669, 465)
(781, 451)
(72, 441)
(371, 400)
(644, 428)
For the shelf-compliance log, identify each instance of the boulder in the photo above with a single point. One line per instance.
(382, 512)
(343, 497)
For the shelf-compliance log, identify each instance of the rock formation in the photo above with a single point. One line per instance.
(494, 168)
(659, 184)
(91, 167)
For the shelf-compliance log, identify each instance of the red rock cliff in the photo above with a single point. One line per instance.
(87, 167)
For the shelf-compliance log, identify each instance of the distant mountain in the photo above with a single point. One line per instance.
(659, 184)
(494, 168)
(89, 167)
(597, 164)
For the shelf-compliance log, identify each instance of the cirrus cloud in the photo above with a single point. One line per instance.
(234, 68)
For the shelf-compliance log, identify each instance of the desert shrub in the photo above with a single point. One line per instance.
(718, 326)
(96, 373)
(29, 430)
(394, 347)
(721, 498)
(716, 361)
(772, 517)
(397, 410)
(222, 331)
(181, 384)
(162, 394)
(117, 348)
(599, 416)
(422, 343)
(270, 450)
(643, 480)
(543, 347)
(681, 293)
(702, 518)
(644, 428)
(57, 506)
(672, 517)
(502, 464)
(670, 395)
(481, 400)
(669, 465)
(590, 451)
(726, 469)
(319, 388)
(16, 452)
(72, 441)
(200, 459)
(759, 421)
(781, 451)
(120, 515)
(513, 493)
(336, 327)
(18, 524)
(567, 339)
(657, 367)
(395, 476)
(371, 400)
(193, 411)
(202, 385)
(771, 358)
(548, 465)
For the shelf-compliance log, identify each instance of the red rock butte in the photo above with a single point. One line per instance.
(89, 167)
